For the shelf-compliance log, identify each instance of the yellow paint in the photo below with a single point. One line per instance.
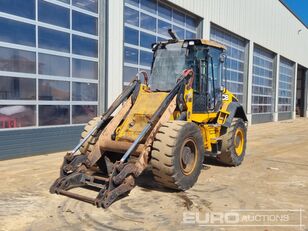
(175, 115)
(212, 43)
(141, 112)
(204, 42)
(148, 102)
(203, 118)
(210, 132)
(224, 113)
(188, 98)
(239, 141)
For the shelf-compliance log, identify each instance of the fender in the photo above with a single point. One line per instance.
(236, 111)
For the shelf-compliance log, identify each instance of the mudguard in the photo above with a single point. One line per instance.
(236, 111)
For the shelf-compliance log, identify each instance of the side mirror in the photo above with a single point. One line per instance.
(222, 57)
(145, 76)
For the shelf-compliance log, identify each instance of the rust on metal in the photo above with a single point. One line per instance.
(143, 159)
(118, 146)
(77, 169)
(106, 134)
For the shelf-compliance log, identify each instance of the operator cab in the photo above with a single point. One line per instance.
(205, 57)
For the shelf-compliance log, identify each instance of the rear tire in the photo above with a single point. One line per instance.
(233, 147)
(88, 146)
(177, 155)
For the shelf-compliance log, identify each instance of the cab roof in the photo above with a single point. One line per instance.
(212, 43)
(206, 42)
(197, 42)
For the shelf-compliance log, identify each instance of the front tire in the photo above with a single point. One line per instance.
(177, 155)
(233, 147)
(88, 146)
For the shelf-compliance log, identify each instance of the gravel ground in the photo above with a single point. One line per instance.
(273, 176)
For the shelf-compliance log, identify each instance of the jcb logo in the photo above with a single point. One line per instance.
(225, 97)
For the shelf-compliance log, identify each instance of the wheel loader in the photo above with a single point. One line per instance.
(168, 122)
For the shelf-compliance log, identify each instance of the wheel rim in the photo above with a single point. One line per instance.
(239, 141)
(188, 156)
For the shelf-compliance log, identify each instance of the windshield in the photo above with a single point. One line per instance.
(168, 65)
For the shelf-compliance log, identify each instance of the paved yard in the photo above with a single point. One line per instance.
(273, 176)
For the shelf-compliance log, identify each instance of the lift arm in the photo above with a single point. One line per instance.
(122, 178)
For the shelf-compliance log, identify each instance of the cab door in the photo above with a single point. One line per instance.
(214, 76)
(200, 98)
(207, 84)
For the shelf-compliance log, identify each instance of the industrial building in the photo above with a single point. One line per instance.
(62, 62)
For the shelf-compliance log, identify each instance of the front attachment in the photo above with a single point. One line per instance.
(120, 182)
(77, 169)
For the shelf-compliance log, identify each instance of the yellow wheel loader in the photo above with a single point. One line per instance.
(169, 121)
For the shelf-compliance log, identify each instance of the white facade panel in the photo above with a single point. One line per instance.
(265, 22)
(115, 49)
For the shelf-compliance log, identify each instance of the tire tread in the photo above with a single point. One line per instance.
(163, 156)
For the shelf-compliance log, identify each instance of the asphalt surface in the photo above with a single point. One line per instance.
(267, 192)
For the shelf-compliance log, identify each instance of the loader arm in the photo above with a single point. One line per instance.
(74, 171)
